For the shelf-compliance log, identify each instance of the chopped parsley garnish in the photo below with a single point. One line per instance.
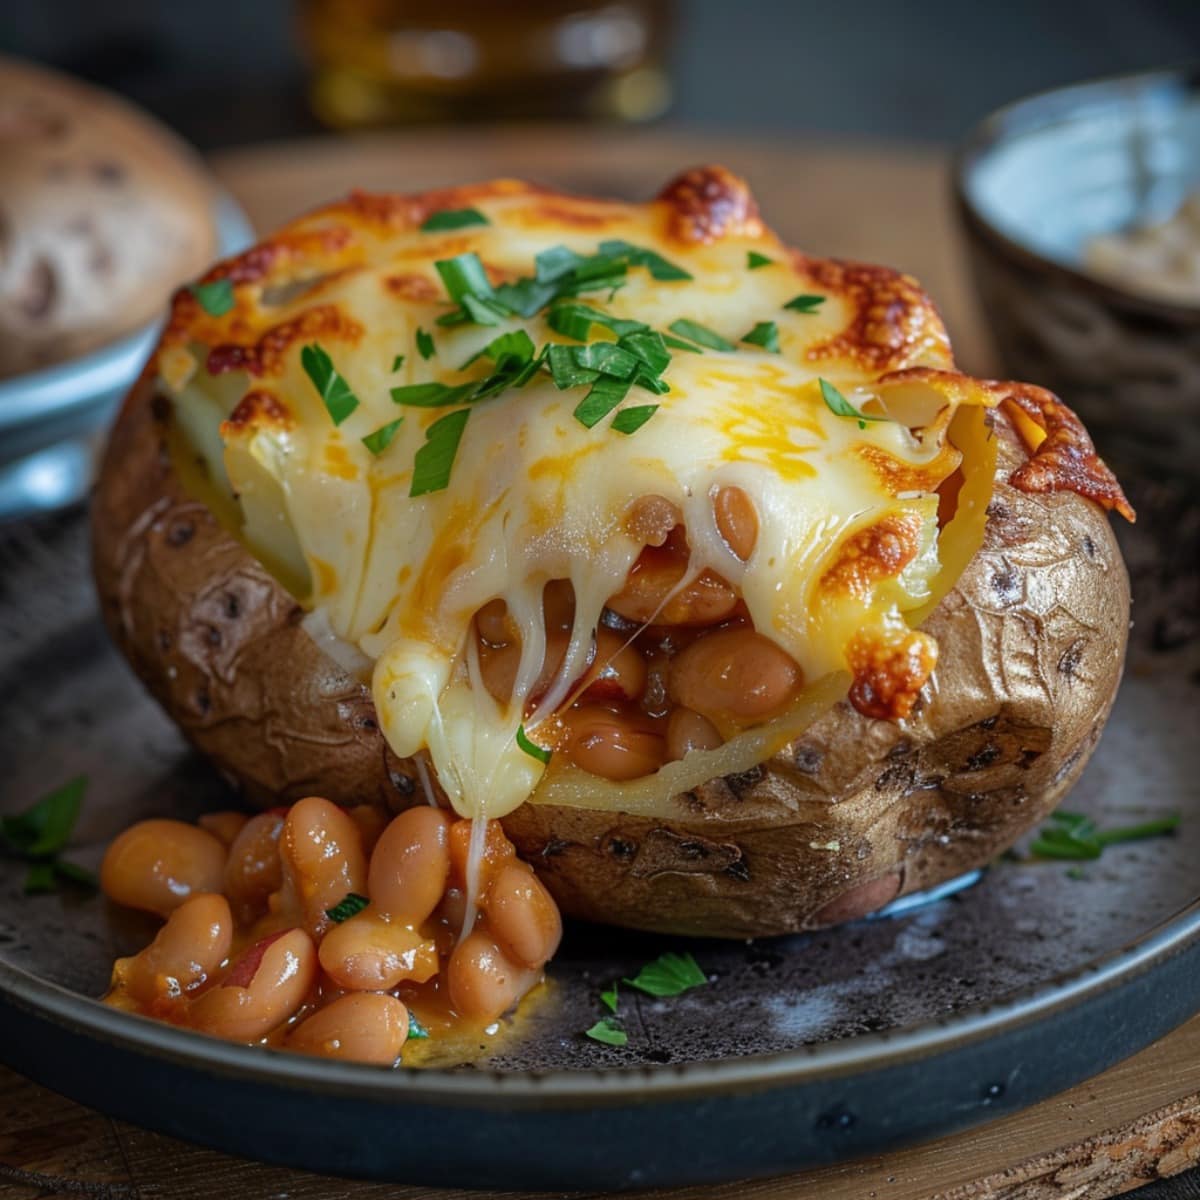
(434, 460)
(754, 260)
(805, 303)
(700, 334)
(764, 334)
(669, 975)
(216, 298)
(425, 347)
(349, 906)
(416, 1030)
(639, 256)
(453, 218)
(1075, 836)
(531, 748)
(340, 400)
(605, 394)
(608, 1030)
(397, 362)
(838, 404)
(40, 833)
(630, 420)
(610, 998)
(381, 439)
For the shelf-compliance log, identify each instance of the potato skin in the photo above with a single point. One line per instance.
(851, 815)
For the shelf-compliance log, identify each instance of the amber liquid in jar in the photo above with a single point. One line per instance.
(386, 62)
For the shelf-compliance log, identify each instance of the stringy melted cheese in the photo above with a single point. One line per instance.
(533, 494)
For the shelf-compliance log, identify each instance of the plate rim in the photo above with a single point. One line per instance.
(608, 1085)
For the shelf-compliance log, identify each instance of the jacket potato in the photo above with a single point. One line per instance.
(342, 587)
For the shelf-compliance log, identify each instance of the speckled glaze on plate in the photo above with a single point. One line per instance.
(800, 1050)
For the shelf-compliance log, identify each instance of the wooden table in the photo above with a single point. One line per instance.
(1139, 1121)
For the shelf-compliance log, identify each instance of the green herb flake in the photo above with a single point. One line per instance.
(435, 459)
(1069, 835)
(576, 321)
(453, 218)
(840, 406)
(397, 362)
(764, 334)
(425, 347)
(216, 298)
(669, 975)
(610, 998)
(754, 260)
(463, 275)
(42, 830)
(565, 369)
(630, 420)
(432, 395)
(639, 256)
(532, 748)
(649, 348)
(607, 1030)
(416, 1030)
(805, 303)
(349, 906)
(679, 344)
(381, 439)
(700, 334)
(605, 394)
(608, 358)
(340, 400)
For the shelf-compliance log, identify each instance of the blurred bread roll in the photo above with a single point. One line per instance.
(103, 213)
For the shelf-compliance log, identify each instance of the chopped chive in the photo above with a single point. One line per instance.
(702, 335)
(432, 395)
(838, 404)
(605, 394)
(453, 218)
(216, 298)
(526, 296)
(639, 256)
(567, 373)
(576, 320)
(679, 344)
(608, 1031)
(532, 748)
(754, 260)
(483, 311)
(425, 347)
(1134, 833)
(340, 400)
(381, 439)
(805, 303)
(630, 420)
(764, 334)
(350, 905)
(397, 362)
(606, 357)
(435, 459)
(463, 275)
(650, 348)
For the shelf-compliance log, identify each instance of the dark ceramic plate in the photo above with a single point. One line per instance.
(799, 1051)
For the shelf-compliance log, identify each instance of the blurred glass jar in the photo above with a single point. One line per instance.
(387, 62)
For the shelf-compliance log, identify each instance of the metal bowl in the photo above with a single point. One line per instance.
(51, 419)
(1035, 182)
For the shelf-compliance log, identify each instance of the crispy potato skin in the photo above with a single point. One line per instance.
(851, 815)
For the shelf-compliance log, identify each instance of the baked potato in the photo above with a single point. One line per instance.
(885, 770)
(102, 213)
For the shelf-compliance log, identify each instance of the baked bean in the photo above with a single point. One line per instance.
(323, 860)
(224, 826)
(657, 571)
(481, 981)
(735, 675)
(607, 744)
(618, 671)
(650, 519)
(370, 953)
(263, 988)
(687, 731)
(411, 864)
(364, 1027)
(186, 954)
(156, 865)
(498, 851)
(371, 820)
(253, 871)
(522, 916)
(494, 624)
(737, 521)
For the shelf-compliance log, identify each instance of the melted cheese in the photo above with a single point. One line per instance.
(535, 496)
